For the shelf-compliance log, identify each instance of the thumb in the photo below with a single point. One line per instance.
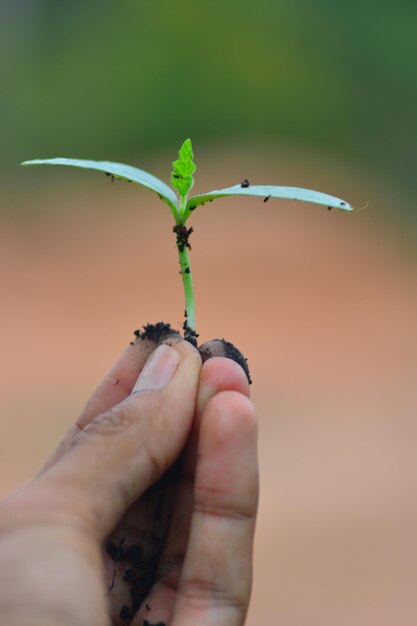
(126, 449)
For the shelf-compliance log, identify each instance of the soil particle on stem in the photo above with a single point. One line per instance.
(245, 183)
(183, 234)
(189, 334)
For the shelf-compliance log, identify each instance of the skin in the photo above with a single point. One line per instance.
(54, 570)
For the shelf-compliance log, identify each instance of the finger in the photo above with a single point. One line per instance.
(119, 382)
(116, 385)
(121, 452)
(216, 579)
(217, 375)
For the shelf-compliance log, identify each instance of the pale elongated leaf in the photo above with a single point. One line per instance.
(270, 191)
(118, 170)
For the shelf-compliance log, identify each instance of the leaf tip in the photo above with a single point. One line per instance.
(345, 205)
(33, 162)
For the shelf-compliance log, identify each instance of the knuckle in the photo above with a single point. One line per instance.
(221, 504)
(202, 592)
(113, 421)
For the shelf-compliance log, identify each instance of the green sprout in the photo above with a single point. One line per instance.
(182, 206)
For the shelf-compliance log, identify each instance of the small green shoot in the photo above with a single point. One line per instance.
(183, 169)
(182, 206)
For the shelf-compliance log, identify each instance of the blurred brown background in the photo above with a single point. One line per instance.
(323, 303)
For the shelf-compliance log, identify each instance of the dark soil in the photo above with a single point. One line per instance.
(156, 332)
(216, 347)
(221, 347)
(142, 557)
(141, 576)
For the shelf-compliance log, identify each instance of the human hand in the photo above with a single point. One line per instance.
(176, 553)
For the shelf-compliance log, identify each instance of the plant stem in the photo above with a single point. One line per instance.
(187, 282)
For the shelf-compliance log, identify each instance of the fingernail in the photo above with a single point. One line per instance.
(159, 369)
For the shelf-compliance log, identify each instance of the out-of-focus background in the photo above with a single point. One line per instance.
(320, 95)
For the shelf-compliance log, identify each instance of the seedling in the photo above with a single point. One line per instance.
(182, 205)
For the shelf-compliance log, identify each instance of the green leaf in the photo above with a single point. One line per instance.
(119, 170)
(183, 169)
(266, 192)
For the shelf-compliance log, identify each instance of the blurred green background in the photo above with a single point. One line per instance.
(117, 80)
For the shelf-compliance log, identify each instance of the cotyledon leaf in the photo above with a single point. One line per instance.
(118, 170)
(266, 192)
